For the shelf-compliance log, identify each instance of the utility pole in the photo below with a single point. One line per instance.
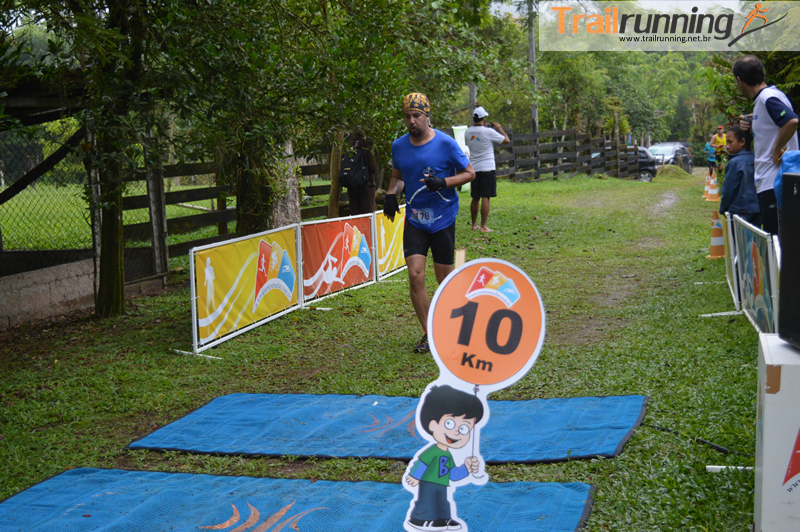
(532, 67)
(534, 106)
(473, 100)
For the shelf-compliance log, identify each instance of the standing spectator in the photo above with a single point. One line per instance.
(480, 139)
(710, 155)
(719, 145)
(739, 189)
(774, 128)
(362, 199)
(428, 164)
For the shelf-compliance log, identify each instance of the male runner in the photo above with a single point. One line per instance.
(429, 164)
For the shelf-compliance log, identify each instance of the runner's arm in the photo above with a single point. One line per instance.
(461, 178)
(396, 184)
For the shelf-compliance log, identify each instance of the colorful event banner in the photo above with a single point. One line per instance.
(757, 275)
(390, 243)
(337, 254)
(242, 282)
(731, 273)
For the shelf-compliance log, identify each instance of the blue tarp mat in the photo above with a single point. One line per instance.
(112, 499)
(375, 426)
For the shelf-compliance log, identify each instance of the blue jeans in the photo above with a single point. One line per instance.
(432, 503)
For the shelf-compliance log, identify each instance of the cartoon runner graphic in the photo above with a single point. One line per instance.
(756, 13)
(209, 284)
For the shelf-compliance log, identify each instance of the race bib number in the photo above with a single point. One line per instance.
(423, 216)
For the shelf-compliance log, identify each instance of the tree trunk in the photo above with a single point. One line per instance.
(473, 100)
(285, 210)
(336, 187)
(93, 179)
(250, 198)
(110, 299)
(259, 205)
(616, 138)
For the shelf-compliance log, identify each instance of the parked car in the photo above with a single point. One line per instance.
(668, 153)
(647, 165)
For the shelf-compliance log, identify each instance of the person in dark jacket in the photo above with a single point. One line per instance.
(362, 199)
(739, 188)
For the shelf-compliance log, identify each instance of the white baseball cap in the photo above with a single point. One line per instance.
(480, 112)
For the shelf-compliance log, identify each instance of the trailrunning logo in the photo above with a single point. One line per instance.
(573, 25)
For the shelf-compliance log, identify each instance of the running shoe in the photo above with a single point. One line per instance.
(422, 346)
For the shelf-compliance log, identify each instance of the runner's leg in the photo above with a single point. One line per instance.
(419, 293)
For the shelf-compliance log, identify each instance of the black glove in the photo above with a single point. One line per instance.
(435, 183)
(390, 206)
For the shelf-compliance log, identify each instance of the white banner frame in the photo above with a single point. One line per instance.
(769, 273)
(733, 262)
(775, 271)
(196, 347)
(302, 301)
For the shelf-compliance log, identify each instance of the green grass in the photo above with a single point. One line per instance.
(615, 262)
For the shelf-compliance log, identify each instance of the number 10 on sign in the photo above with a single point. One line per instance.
(486, 324)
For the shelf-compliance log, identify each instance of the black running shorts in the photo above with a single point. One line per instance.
(442, 243)
(484, 185)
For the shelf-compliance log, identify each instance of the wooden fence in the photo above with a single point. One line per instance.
(529, 157)
(144, 262)
(552, 154)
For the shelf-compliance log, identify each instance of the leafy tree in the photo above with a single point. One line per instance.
(256, 79)
(503, 83)
(118, 52)
(573, 90)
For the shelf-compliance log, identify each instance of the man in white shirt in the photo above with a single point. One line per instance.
(480, 139)
(774, 125)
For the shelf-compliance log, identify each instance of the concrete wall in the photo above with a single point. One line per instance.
(41, 294)
(44, 293)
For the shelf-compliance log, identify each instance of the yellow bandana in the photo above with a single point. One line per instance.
(418, 102)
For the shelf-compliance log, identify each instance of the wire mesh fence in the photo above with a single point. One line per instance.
(48, 222)
(51, 213)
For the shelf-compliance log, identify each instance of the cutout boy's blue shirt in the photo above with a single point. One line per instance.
(441, 156)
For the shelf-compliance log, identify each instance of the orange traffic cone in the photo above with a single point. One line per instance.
(713, 193)
(717, 250)
(708, 186)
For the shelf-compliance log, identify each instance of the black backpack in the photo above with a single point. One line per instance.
(353, 171)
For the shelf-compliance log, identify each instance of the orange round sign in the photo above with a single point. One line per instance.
(486, 323)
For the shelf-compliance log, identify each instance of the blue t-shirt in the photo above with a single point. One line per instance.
(710, 151)
(442, 157)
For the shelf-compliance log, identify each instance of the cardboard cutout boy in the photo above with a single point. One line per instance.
(449, 416)
(486, 328)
